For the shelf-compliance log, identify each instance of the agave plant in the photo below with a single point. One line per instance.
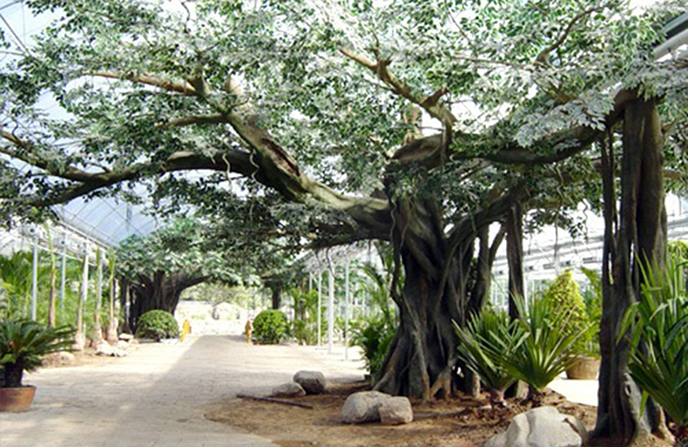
(546, 351)
(23, 343)
(485, 338)
(658, 325)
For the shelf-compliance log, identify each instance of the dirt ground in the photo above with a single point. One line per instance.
(455, 422)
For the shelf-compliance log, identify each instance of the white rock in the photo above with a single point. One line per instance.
(121, 344)
(363, 406)
(291, 389)
(396, 411)
(542, 427)
(313, 382)
(108, 350)
(125, 337)
(105, 349)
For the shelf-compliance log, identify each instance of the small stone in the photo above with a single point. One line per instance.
(65, 357)
(313, 382)
(542, 427)
(108, 350)
(125, 337)
(396, 411)
(363, 406)
(291, 389)
(105, 349)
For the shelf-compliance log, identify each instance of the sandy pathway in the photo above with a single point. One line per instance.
(156, 396)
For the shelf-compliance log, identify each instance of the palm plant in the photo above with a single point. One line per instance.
(485, 335)
(23, 343)
(546, 350)
(658, 325)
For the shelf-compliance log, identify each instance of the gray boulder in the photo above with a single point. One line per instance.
(313, 382)
(396, 411)
(291, 389)
(542, 427)
(363, 407)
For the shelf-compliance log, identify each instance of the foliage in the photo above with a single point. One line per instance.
(570, 310)
(593, 305)
(15, 281)
(486, 334)
(657, 326)
(305, 324)
(157, 324)
(23, 343)
(185, 246)
(270, 327)
(545, 352)
(374, 335)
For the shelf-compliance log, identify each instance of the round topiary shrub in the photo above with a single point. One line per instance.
(270, 327)
(157, 324)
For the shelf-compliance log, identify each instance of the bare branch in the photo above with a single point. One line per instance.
(191, 120)
(429, 103)
(543, 57)
(148, 79)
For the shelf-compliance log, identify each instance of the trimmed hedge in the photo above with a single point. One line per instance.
(157, 324)
(270, 327)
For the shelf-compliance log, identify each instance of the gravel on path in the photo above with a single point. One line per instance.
(156, 395)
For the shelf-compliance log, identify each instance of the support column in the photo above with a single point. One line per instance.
(346, 310)
(63, 274)
(318, 310)
(330, 313)
(34, 280)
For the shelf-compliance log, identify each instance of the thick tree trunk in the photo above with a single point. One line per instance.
(421, 361)
(636, 234)
(276, 294)
(160, 291)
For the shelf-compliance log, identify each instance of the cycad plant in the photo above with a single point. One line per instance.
(658, 325)
(24, 343)
(546, 351)
(485, 338)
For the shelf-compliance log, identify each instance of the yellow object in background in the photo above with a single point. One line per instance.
(186, 329)
(248, 328)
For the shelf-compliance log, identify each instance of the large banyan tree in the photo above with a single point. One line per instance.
(418, 122)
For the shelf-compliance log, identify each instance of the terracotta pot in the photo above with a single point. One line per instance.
(16, 399)
(586, 368)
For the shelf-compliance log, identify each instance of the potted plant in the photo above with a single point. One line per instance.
(567, 301)
(23, 344)
(588, 348)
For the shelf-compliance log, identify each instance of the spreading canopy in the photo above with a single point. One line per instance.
(321, 102)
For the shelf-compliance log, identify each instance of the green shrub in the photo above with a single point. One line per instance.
(565, 300)
(157, 324)
(374, 336)
(485, 335)
(270, 327)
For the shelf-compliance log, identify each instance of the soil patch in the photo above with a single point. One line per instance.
(455, 422)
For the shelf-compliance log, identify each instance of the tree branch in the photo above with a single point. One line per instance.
(543, 56)
(431, 103)
(148, 79)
